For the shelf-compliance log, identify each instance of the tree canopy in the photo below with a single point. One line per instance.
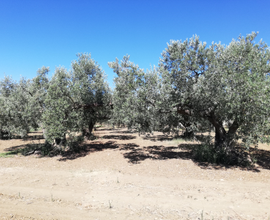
(22, 104)
(225, 85)
(76, 100)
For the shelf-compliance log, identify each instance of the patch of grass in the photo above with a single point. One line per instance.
(8, 154)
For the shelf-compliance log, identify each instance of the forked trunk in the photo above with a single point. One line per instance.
(223, 139)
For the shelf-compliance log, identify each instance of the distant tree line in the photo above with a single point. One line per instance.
(218, 88)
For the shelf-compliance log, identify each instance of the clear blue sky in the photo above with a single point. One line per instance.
(36, 33)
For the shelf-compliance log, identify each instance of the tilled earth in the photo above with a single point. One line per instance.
(122, 175)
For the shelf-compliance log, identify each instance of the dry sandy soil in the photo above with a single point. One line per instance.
(124, 176)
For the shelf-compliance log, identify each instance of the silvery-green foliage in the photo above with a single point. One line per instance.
(224, 85)
(38, 91)
(56, 118)
(134, 96)
(21, 105)
(7, 89)
(76, 100)
(140, 99)
(90, 91)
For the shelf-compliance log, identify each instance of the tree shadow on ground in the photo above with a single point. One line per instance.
(136, 154)
(43, 150)
(262, 157)
(123, 132)
(166, 137)
(28, 149)
(119, 137)
(127, 147)
(85, 149)
(161, 137)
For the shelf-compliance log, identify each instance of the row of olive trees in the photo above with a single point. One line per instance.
(72, 101)
(223, 88)
(199, 88)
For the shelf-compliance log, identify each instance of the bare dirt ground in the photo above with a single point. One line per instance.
(124, 176)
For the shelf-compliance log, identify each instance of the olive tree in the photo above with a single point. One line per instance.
(76, 100)
(140, 99)
(134, 96)
(7, 88)
(227, 86)
(36, 93)
(21, 105)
